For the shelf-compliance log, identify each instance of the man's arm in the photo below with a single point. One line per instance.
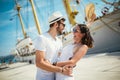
(43, 64)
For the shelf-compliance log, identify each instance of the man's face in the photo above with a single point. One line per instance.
(61, 26)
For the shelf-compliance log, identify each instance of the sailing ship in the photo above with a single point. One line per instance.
(25, 49)
(104, 29)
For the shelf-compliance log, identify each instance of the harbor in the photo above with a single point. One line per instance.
(103, 66)
(25, 20)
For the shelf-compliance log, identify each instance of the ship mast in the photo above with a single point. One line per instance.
(35, 17)
(18, 9)
(71, 14)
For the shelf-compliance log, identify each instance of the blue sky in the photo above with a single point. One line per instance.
(10, 28)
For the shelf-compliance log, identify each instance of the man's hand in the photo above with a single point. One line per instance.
(67, 70)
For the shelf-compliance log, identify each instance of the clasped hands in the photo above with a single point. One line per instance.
(67, 70)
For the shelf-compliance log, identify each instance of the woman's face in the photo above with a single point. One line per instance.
(77, 35)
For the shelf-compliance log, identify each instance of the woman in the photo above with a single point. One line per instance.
(72, 53)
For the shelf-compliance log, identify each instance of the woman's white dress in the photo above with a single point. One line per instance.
(66, 53)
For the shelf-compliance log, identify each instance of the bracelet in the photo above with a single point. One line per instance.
(54, 63)
(62, 69)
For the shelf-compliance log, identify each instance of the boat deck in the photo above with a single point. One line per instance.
(92, 67)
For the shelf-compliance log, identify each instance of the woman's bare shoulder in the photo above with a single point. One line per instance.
(83, 47)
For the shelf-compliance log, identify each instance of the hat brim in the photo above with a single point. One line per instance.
(53, 21)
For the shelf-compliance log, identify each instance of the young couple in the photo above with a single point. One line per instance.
(48, 46)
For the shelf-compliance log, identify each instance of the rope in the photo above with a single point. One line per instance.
(27, 18)
(16, 28)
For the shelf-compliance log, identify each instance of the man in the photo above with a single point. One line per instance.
(47, 48)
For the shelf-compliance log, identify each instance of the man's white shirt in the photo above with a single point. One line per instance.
(51, 47)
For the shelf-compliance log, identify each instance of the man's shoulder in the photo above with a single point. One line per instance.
(44, 35)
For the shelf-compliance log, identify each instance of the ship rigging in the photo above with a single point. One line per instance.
(105, 29)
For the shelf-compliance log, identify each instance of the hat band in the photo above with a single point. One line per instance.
(54, 20)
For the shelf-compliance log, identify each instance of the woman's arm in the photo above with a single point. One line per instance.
(77, 56)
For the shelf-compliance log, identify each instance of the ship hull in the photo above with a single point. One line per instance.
(105, 32)
(26, 50)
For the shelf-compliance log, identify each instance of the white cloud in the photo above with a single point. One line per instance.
(26, 9)
(6, 20)
(33, 28)
(7, 12)
(4, 23)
